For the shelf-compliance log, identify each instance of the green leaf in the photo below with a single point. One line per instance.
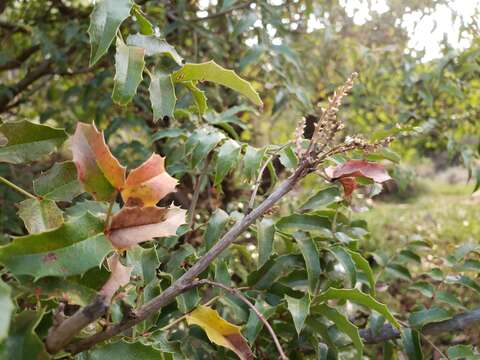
(146, 27)
(154, 45)
(216, 226)
(421, 318)
(73, 248)
(460, 352)
(309, 223)
(121, 350)
(363, 265)
(198, 96)
(98, 208)
(59, 183)
(26, 141)
(228, 155)
(169, 133)
(105, 20)
(206, 142)
(463, 280)
(274, 269)
(425, 288)
(252, 161)
(162, 95)
(449, 299)
(23, 343)
(310, 254)
(265, 236)
(129, 64)
(40, 215)
(342, 324)
(347, 262)
(322, 198)
(6, 309)
(288, 158)
(360, 298)
(210, 71)
(412, 344)
(398, 271)
(299, 309)
(254, 324)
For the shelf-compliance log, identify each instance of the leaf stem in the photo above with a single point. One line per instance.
(17, 188)
(196, 194)
(109, 211)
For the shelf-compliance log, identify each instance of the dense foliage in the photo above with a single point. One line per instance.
(232, 234)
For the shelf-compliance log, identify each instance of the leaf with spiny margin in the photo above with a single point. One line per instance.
(105, 20)
(360, 298)
(343, 324)
(154, 45)
(71, 249)
(347, 262)
(310, 253)
(216, 225)
(133, 225)
(265, 236)
(25, 141)
(23, 343)
(6, 309)
(59, 183)
(210, 71)
(98, 170)
(198, 96)
(129, 64)
(146, 27)
(412, 344)
(220, 331)
(363, 265)
(323, 197)
(299, 309)
(162, 95)
(228, 155)
(148, 184)
(122, 350)
(419, 319)
(308, 223)
(40, 215)
(206, 142)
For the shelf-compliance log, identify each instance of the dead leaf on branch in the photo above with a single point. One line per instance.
(119, 276)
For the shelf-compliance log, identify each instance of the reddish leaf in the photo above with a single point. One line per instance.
(133, 225)
(148, 183)
(120, 276)
(349, 184)
(98, 170)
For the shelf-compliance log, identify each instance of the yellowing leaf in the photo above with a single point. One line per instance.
(148, 183)
(219, 331)
(133, 225)
(120, 276)
(98, 170)
(40, 215)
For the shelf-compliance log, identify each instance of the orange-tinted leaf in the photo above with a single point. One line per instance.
(219, 331)
(148, 183)
(98, 170)
(349, 184)
(133, 225)
(119, 276)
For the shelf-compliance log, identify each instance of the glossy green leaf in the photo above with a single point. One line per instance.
(105, 20)
(322, 329)
(207, 141)
(288, 158)
(299, 309)
(398, 271)
(363, 265)
(274, 269)
(310, 254)
(210, 71)
(40, 215)
(6, 309)
(308, 223)
(121, 350)
(146, 27)
(73, 248)
(59, 183)
(228, 155)
(421, 318)
(412, 344)
(323, 198)
(169, 133)
(252, 162)
(198, 96)
(265, 236)
(360, 298)
(216, 225)
(344, 258)
(23, 343)
(162, 95)
(154, 45)
(25, 141)
(343, 324)
(98, 208)
(461, 352)
(129, 64)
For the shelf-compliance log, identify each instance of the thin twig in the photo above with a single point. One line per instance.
(196, 194)
(109, 211)
(258, 182)
(17, 188)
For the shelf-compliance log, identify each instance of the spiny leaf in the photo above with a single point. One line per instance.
(6, 309)
(40, 215)
(299, 309)
(73, 248)
(154, 45)
(25, 141)
(105, 20)
(205, 142)
(98, 170)
(162, 95)
(59, 183)
(360, 298)
(311, 256)
(148, 184)
(198, 96)
(210, 71)
(265, 236)
(129, 64)
(228, 155)
(133, 225)
(220, 331)
(119, 276)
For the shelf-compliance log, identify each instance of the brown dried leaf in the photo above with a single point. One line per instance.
(120, 276)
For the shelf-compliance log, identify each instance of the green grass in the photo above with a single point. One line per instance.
(445, 214)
